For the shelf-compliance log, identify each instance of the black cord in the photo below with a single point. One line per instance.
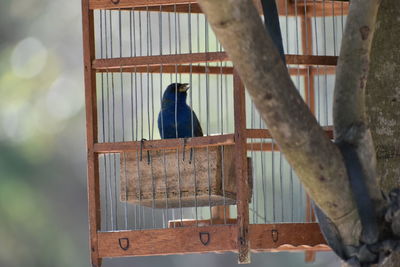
(271, 20)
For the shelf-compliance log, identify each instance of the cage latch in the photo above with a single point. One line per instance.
(123, 243)
(204, 238)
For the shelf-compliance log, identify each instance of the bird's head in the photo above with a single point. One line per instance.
(175, 92)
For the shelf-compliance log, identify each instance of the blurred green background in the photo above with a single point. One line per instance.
(43, 206)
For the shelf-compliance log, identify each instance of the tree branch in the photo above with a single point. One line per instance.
(315, 159)
(349, 95)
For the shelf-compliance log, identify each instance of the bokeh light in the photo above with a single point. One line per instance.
(28, 58)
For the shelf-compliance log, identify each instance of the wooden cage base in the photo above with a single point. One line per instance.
(216, 238)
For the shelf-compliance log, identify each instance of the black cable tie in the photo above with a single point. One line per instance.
(365, 205)
(271, 20)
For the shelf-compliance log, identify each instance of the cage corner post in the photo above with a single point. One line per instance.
(91, 132)
(241, 171)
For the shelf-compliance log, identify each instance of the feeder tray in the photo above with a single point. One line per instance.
(166, 178)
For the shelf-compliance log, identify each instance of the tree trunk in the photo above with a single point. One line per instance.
(383, 99)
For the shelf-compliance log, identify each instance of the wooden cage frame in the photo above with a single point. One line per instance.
(242, 237)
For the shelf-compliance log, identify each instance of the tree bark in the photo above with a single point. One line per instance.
(383, 99)
(383, 94)
(316, 160)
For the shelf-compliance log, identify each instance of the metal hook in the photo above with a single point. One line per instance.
(203, 240)
(275, 235)
(124, 246)
(115, 2)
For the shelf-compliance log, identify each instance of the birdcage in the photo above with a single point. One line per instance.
(229, 190)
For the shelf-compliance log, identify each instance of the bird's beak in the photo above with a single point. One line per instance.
(184, 87)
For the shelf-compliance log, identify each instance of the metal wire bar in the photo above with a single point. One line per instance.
(287, 26)
(123, 117)
(325, 53)
(113, 125)
(191, 115)
(334, 28)
(306, 48)
(139, 226)
(108, 127)
(263, 182)
(131, 74)
(103, 123)
(254, 166)
(160, 36)
(222, 148)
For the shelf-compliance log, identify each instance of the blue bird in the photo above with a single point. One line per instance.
(176, 119)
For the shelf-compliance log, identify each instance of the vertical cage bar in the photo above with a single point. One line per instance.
(242, 182)
(91, 130)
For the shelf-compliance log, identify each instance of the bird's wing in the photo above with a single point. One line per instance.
(197, 131)
(160, 125)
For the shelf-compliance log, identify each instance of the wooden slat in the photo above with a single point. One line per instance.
(118, 147)
(116, 4)
(263, 237)
(296, 236)
(260, 146)
(322, 70)
(309, 85)
(309, 256)
(129, 62)
(166, 5)
(93, 187)
(324, 8)
(311, 60)
(242, 181)
(258, 133)
(168, 241)
(182, 8)
(194, 8)
(194, 69)
(285, 7)
(219, 220)
(187, 69)
(264, 133)
(120, 64)
(213, 140)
